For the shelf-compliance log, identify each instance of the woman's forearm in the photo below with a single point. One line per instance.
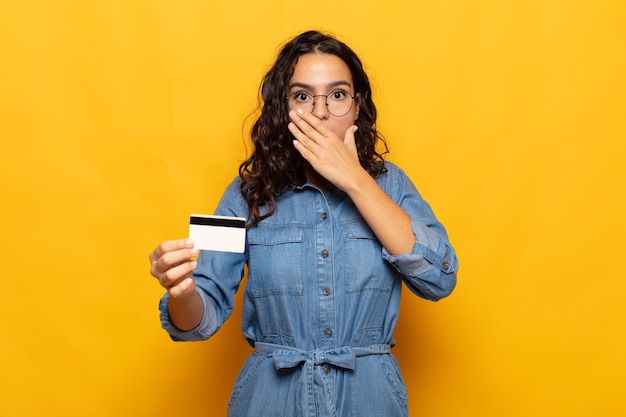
(390, 224)
(186, 312)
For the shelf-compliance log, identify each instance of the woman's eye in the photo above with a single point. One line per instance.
(338, 95)
(301, 97)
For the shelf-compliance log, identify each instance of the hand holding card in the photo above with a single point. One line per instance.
(218, 233)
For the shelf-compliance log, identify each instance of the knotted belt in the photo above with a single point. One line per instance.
(286, 357)
(343, 357)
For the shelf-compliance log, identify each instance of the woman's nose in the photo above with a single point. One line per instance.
(319, 107)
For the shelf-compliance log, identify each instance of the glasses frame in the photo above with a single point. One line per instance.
(315, 96)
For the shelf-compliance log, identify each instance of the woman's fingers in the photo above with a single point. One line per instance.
(186, 286)
(336, 159)
(306, 126)
(177, 274)
(170, 245)
(172, 262)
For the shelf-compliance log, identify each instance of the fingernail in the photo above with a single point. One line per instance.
(189, 242)
(300, 111)
(194, 264)
(194, 251)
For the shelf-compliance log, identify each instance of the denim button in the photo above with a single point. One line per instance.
(326, 291)
(445, 266)
(328, 333)
(324, 253)
(324, 216)
(327, 369)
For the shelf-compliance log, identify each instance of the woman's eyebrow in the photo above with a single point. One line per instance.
(329, 86)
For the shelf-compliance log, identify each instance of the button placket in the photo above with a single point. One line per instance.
(325, 276)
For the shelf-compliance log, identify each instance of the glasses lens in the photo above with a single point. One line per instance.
(300, 101)
(339, 103)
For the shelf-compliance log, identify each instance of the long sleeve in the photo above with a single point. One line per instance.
(217, 276)
(429, 270)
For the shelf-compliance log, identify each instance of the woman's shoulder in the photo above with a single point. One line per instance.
(232, 202)
(393, 172)
(395, 181)
(392, 168)
(234, 185)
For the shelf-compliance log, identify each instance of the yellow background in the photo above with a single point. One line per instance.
(120, 118)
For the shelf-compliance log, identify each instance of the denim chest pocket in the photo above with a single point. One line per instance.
(368, 271)
(275, 262)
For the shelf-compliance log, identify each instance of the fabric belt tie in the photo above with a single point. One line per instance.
(343, 357)
(313, 383)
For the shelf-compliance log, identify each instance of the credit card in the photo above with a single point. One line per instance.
(218, 233)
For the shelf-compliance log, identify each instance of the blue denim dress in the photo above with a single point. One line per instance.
(321, 301)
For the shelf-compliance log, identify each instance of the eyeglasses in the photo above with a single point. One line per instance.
(338, 102)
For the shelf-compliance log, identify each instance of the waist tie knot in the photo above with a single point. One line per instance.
(343, 357)
(312, 381)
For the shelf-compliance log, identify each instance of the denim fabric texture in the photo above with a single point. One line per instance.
(321, 301)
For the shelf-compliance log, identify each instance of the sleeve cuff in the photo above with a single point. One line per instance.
(204, 330)
(430, 268)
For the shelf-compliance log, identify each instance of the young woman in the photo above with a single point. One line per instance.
(333, 232)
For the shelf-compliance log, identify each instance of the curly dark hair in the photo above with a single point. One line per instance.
(275, 166)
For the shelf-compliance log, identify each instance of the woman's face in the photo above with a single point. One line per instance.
(321, 74)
